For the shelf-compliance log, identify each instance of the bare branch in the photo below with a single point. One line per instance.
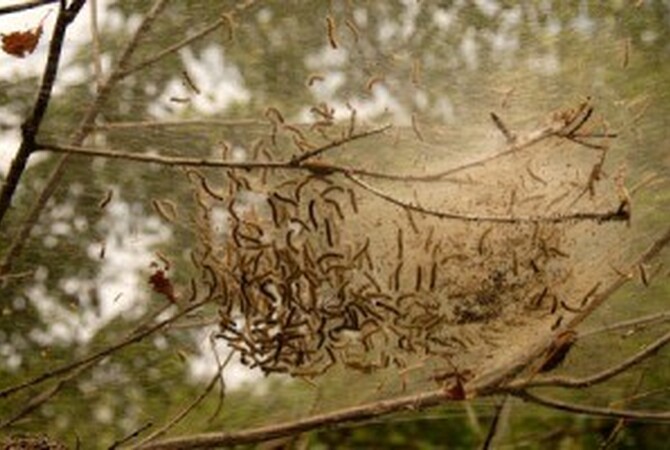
(354, 414)
(194, 404)
(175, 161)
(38, 400)
(164, 160)
(295, 163)
(615, 215)
(494, 427)
(299, 159)
(604, 375)
(95, 43)
(131, 436)
(176, 123)
(31, 126)
(637, 323)
(4, 393)
(593, 410)
(23, 6)
(179, 45)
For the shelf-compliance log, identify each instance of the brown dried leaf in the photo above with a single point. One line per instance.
(21, 43)
(162, 285)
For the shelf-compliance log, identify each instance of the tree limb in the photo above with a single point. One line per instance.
(25, 6)
(31, 126)
(356, 413)
(137, 337)
(639, 322)
(618, 215)
(604, 375)
(181, 44)
(592, 410)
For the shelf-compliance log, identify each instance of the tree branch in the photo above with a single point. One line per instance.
(604, 375)
(176, 123)
(139, 336)
(615, 215)
(633, 323)
(31, 126)
(592, 410)
(175, 161)
(494, 427)
(179, 45)
(25, 6)
(194, 404)
(357, 413)
(299, 159)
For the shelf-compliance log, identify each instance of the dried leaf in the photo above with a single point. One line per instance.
(162, 285)
(21, 43)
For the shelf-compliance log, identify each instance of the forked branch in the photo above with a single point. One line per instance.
(602, 376)
(31, 126)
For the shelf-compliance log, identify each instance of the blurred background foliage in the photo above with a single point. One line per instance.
(448, 63)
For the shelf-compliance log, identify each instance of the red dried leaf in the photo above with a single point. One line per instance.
(21, 43)
(162, 285)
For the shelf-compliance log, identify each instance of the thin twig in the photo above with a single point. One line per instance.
(95, 43)
(592, 410)
(38, 400)
(194, 404)
(604, 375)
(164, 160)
(494, 428)
(614, 215)
(176, 123)
(621, 423)
(181, 44)
(132, 435)
(517, 145)
(98, 355)
(299, 159)
(626, 324)
(25, 6)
